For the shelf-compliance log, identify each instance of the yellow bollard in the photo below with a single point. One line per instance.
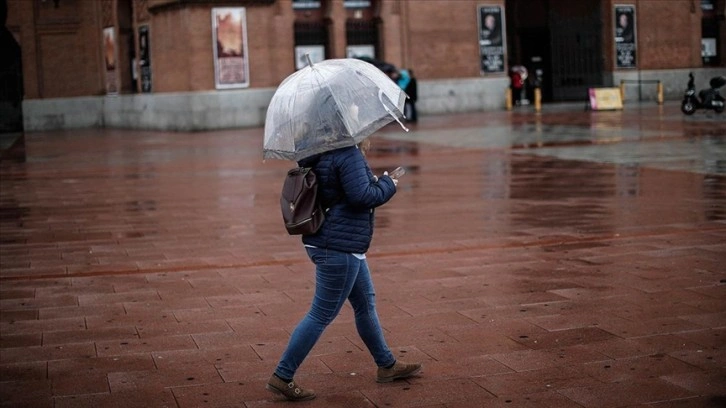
(660, 93)
(508, 99)
(537, 99)
(622, 90)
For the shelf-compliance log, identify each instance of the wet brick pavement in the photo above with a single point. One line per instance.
(569, 259)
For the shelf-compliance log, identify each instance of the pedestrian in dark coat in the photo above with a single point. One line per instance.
(412, 92)
(351, 194)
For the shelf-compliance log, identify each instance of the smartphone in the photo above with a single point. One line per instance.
(397, 173)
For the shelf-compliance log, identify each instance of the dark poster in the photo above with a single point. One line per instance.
(491, 38)
(144, 59)
(625, 50)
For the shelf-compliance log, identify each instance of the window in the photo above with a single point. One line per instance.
(710, 34)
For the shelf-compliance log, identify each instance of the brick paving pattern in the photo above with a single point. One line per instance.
(567, 259)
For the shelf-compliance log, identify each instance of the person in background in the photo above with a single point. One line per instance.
(405, 80)
(412, 91)
(518, 76)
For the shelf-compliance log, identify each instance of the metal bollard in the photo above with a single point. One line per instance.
(508, 99)
(660, 93)
(537, 99)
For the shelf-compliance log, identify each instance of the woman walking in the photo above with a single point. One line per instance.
(351, 193)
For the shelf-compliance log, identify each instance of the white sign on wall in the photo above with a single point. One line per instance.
(316, 52)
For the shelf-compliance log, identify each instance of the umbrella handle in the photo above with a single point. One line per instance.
(380, 98)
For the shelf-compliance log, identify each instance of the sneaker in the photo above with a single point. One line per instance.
(398, 371)
(291, 391)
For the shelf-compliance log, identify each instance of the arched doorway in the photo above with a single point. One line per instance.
(126, 47)
(11, 91)
(560, 43)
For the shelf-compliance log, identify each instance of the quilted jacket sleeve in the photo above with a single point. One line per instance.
(356, 178)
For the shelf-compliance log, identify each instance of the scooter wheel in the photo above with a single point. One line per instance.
(718, 109)
(688, 108)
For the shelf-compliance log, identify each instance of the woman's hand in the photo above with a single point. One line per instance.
(395, 180)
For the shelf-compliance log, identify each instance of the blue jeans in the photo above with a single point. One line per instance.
(338, 276)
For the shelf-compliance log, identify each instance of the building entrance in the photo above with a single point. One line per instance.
(560, 44)
(11, 89)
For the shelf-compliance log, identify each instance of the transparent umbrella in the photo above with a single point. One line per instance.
(332, 104)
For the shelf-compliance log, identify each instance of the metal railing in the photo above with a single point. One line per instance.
(640, 82)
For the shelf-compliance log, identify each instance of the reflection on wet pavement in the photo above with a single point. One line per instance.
(152, 268)
(704, 155)
(696, 144)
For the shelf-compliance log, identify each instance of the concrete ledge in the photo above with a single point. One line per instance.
(461, 95)
(164, 111)
(62, 113)
(188, 111)
(194, 111)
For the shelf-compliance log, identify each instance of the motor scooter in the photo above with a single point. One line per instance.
(706, 99)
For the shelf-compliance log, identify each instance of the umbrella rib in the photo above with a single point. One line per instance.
(337, 104)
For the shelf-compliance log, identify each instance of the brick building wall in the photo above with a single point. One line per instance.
(669, 34)
(440, 39)
(63, 49)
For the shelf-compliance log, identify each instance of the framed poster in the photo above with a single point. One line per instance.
(144, 59)
(356, 3)
(353, 51)
(305, 4)
(229, 32)
(492, 40)
(317, 54)
(625, 36)
(110, 60)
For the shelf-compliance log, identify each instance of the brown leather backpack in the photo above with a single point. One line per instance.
(301, 209)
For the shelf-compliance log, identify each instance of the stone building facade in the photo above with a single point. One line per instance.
(153, 63)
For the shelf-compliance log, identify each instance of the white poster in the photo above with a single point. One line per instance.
(110, 59)
(353, 51)
(708, 47)
(316, 52)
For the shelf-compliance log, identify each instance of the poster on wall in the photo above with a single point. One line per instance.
(110, 59)
(316, 52)
(144, 59)
(305, 4)
(231, 63)
(625, 36)
(491, 38)
(353, 51)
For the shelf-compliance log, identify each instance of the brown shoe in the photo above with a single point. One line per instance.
(291, 391)
(398, 371)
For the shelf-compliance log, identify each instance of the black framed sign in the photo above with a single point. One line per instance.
(144, 58)
(491, 38)
(625, 36)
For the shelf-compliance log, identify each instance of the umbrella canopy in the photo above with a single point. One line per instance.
(332, 104)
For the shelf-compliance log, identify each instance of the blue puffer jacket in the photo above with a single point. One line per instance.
(351, 193)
